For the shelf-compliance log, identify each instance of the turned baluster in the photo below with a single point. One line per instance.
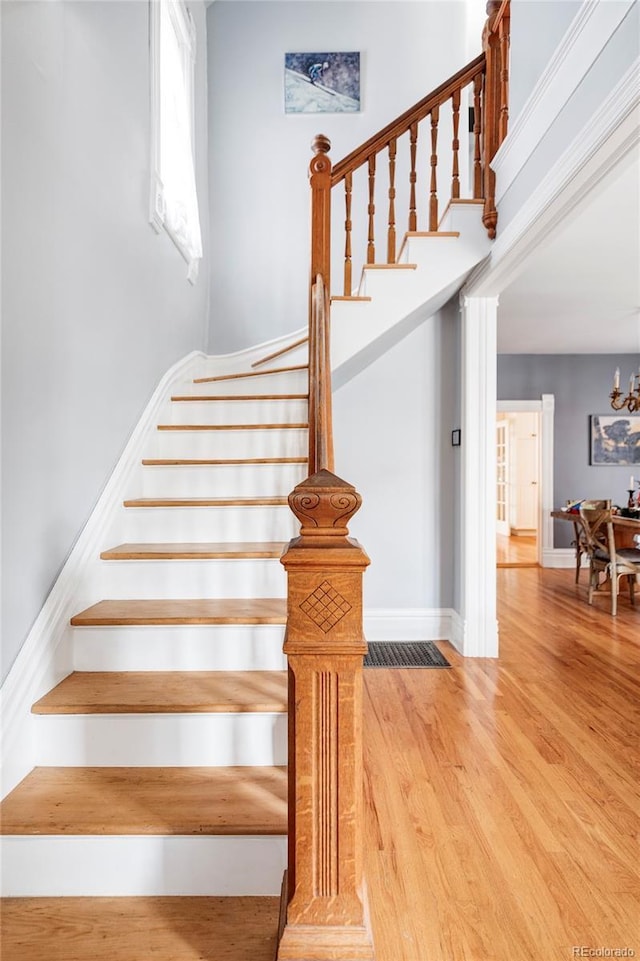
(371, 209)
(413, 142)
(348, 187)
(477, 127)
(455, 146)
(433, 199)
(391, 237)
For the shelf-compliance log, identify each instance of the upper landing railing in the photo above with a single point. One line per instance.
(410, 150)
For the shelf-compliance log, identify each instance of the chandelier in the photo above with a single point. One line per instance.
(632, 400)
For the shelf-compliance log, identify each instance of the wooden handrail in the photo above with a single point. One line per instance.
(401, 125)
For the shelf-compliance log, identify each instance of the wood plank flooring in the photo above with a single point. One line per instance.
(501, 796)
(516, 551)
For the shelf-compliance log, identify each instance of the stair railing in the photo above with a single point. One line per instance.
(324, 908)
(484, 85)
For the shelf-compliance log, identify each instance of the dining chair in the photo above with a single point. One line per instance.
(604, 557)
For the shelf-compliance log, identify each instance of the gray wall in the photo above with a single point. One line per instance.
(392, 427)
(259, 157)
(581, 384)
(95, 305)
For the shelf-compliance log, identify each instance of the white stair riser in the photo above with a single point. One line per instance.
(221, 444)
(227, 647)
(141, 866)
(290, 382)
(152, 524)
(239, 412)
(209, 579)
(247, 480)
(160, 740)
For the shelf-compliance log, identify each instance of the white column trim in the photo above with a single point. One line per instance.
(478, 482)
(588, 34)
(545, 407)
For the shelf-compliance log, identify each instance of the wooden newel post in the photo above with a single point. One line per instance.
(326, 913)
(320, 180)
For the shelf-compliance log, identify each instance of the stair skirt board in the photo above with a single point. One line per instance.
(255, 411)
(137, 866)
(161, 740)
(223, 480)
(255, 523)
(254, 577)
(229, 647)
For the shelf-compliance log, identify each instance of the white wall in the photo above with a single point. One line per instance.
(537, 27)
(392, 426)
(259, 157)
(95, 305)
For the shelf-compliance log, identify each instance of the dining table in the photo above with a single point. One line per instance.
(626, 528)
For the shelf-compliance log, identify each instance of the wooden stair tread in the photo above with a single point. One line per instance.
(194, 551)
(167, 692)
(226, 397)
(282, 426)
(206, 462)
(281, 351)
(250, 373)
(133, 929)
(266, 610)
(148, 800)
(206, 502)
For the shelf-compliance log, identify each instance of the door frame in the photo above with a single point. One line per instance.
(545, 407)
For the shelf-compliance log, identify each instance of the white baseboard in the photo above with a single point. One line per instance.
(46, 655)
(410, 624)
(561, 557)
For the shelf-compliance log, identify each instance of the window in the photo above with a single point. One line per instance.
(174, 201)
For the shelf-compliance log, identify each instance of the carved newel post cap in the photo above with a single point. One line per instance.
(321, 144)
(324, 504)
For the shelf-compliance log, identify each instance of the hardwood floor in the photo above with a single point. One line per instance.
(516, 551)
(501, 796)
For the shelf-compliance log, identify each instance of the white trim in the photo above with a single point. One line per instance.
(608, 138)
(478, 481)
(546, 408)
(410, 624)
(587, 36)
(46, 655)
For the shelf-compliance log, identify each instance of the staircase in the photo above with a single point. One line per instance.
(159, 797)
(154, 823)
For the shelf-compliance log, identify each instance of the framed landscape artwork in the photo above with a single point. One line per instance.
(615, 439)
(322, 82)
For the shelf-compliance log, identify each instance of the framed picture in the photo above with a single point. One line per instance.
(615, 439)
(322, 82)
